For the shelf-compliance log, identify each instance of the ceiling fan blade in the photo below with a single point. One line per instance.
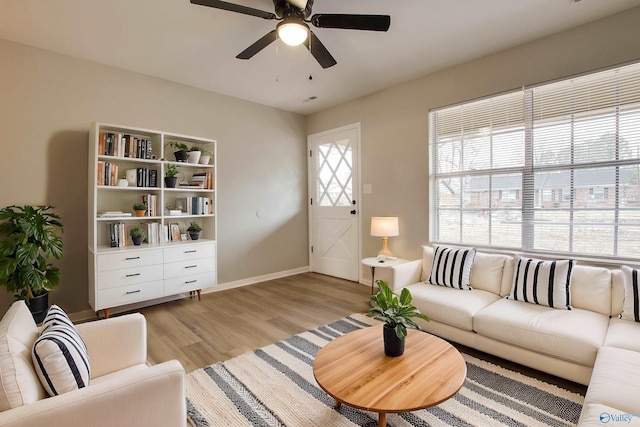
(318, 51)
(300, 4)
(352, 22)
(232, 7)
(265, 41)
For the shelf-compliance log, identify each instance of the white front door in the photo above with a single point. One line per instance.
(333, 199)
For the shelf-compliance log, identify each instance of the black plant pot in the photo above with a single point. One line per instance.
(38, 306)
(181, 156)
(137, 240)
(393, 346)
(170, 181)
(195, 235)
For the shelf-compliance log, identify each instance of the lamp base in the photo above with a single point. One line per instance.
(385, 248)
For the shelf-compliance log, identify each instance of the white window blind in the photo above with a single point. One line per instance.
(553, 168)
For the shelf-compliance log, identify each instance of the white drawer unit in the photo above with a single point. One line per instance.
(164, 265)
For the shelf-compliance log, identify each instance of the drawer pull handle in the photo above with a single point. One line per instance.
(132, 258)
(132, 292)
(132, 275)
(190, 252)
(191, 266)
(190, 281)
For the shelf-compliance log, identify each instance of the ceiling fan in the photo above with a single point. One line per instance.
(293, 28)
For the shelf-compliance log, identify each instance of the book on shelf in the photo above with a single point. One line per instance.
(118, 234)
(202, 180)
(119, 145)
(113, 214)
(151, 200)
(107, 173)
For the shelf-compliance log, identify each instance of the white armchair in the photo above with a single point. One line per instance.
(123, 391)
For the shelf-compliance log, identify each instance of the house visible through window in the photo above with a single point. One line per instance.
(550, 168)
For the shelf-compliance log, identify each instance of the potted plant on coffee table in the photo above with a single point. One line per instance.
(397, 315)
(194, 230)
(137, 235)
(29, 239)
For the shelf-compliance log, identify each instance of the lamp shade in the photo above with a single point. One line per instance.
(384, 226)
(292, 33)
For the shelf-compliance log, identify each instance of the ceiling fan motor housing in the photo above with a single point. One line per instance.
(285, 10)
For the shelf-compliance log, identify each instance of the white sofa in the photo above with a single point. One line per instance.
(123, 391)
(587, 344)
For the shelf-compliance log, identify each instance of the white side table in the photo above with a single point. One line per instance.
(373, 263)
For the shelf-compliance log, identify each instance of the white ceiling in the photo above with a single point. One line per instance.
(196, 45)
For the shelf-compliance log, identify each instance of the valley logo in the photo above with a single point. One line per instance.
(606, 417)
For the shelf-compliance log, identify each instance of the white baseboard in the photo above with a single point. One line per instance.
(86, 315)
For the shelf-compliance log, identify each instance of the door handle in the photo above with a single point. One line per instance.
(353, 212)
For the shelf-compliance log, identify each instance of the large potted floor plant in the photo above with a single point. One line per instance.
(397, 315)
(29, 239)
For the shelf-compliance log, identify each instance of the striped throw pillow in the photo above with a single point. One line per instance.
(451, 267)
(631, 308)
(542, 282)
(60, 357)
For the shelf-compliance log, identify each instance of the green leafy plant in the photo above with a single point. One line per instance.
(139, 207)
(29, 237)
(202, 150)
(194, 227)
(178, 146)
(396, 313)
(170, 170)
(137, 233)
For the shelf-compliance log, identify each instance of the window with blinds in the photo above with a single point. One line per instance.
(550, 168)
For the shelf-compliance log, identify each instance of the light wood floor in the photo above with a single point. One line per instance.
(229, 323)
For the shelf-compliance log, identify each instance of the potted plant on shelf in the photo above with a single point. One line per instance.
(194, 230)
(29, 238)
(170, 175)
(205, 156)
(140, 209)
(137, 235)
(194, 154)
(180, 150)
(397, 315)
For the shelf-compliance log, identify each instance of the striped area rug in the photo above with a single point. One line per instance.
(274, 386)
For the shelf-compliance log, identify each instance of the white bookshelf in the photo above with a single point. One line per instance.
(128, 274)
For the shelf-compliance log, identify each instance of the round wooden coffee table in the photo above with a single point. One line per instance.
(354, 370)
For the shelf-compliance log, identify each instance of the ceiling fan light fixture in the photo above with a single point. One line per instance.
(293, 33)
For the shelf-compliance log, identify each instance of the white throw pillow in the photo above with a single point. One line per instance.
(60, 357)
(19, 384)
(451, 267)
(631, 309)
(542, 282)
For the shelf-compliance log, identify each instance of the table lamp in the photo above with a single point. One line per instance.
(385, 227)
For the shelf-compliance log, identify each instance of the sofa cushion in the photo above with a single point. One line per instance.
(542, 282)
(614, 381)
(573, 335)
(591, 288)
(20, 384)
(60, 356)
(617, 292)
(452, 267)
(623, 334)
(631, 307)
(450, 306)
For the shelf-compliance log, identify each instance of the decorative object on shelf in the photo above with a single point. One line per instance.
(170, 178)
(385, 227)
(29, 237)
(397, 315)
(205, 157)
(137, 235)
(123, 183)
(194, 230)
(194, 154)
(140, 209)
(181, 152)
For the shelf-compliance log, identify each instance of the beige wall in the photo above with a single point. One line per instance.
(395, 121)
(47, 102)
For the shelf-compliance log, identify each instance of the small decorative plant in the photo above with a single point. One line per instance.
(29, 237)
(178, 146)
(396, 313)
(170, 170)
(137, 235)
(139, 207)
(194, 227)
